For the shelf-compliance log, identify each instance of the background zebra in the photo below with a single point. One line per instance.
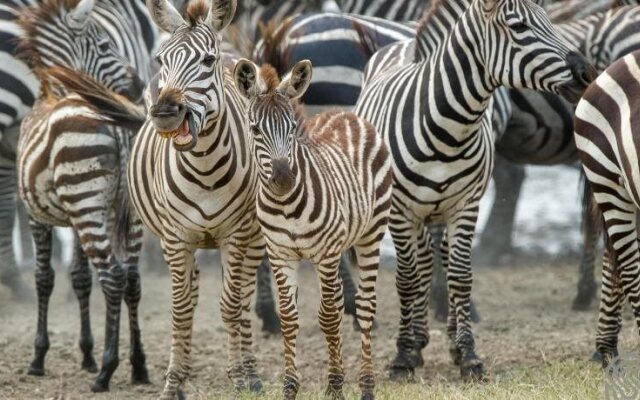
(606, 128)
(440, 137)
(328, 181)
(193, 182)
(127, 25)
(69, 169)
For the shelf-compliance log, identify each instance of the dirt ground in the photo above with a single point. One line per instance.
(526, 321)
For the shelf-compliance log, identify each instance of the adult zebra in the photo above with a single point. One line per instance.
(193, 182)
(540, 132)
(69, 176)
(606, 131)
(128, 26)
(433, 114)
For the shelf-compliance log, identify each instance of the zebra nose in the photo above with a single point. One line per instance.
(282, 179)
(582, 71)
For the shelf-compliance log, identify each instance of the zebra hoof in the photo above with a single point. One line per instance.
(140, 376)
(271, 326)
(416, 358)
(180, 395)
(256, 386)
(473, 371)
(89, 365)
(35, 370)
(333, 394)
(455, 354)
(596, 357)
(367, 396)
(401, 368)
(583, 299)
(100, 385)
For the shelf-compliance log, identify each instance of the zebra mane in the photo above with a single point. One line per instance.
(273, 36)
(436, 24)
(270, 79)
(33, 17)
(197, 12)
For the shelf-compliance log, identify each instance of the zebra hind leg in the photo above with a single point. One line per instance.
(586, 283)
(81, 281)
(610, 313)
(45, 277)
(420, 319)
(265, 303)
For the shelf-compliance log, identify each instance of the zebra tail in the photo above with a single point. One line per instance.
(116, 110)
(592, 215)
(123, 209)
(366, 41)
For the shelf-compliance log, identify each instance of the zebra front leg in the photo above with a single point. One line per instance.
(81, 280)
(330, 320)
(286, 281)
(459, 278)
(348, 287)
(45, 277)
(184, 298)
(265, 303)
(420, 319)
(368, 259)
(405, 235)
(609, 314)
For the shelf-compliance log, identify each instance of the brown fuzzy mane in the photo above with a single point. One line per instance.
(197, 12)
(269, 76)
(273, 36)
(30, 19)
(427, 15)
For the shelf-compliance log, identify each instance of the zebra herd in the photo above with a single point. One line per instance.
(221, 156)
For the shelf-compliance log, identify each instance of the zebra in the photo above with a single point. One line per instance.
(441, 141)
(68, 175)
(540, 132)
(605, 129)
(193, 182)
(325, 185)
(127, 25)
(570, 10)
(390, 10)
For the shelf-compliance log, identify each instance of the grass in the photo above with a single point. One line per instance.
(562, 380)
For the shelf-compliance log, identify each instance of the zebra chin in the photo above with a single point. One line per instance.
(583, 74)
(282, 179)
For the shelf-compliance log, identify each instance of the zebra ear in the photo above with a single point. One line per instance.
(245, 76)
(165, 15)
(79, 16)
(296, 82)
(221, 13)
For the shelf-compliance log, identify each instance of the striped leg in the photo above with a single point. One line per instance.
(439, 298)
(420, 319)
(368, 258)
(26, 241)
(586, 282)
(132, 294)
(184, 298)
(81, 280)
(330, 319)
(265, 303)
(44, 286)
(286, 276)
(460, 233)
(405, 238)
(452, 324)
(348, 288)
(610, 313)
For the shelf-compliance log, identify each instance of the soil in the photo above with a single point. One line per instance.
(526, 320)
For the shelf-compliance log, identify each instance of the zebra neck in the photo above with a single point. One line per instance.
(583, 32)
(436, 26)
(215, 142)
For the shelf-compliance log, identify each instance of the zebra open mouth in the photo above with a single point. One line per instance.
(184, 138)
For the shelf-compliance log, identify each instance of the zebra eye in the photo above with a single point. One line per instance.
(158, 60)
(519, 26)
(103, 47)
(254, 130)
(208, 60)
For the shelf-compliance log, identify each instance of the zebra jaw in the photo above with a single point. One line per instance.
(184, 137)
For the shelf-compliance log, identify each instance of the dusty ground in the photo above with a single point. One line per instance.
(531, 342)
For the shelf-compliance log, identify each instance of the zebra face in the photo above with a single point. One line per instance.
(273, 119)
(56, 35)
(190, 80)
(522, 49)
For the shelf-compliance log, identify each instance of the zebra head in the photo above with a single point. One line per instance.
(63, 33)
(522, 49)
(273, 118)
(190, 80)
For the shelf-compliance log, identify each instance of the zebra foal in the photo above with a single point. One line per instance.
(325, 185)
(606, 129)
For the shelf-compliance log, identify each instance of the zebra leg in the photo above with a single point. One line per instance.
(81, 281)
(132, 294)
(496, 239)
(184, 298)
(439, 298)
(253, 255)
(265, 304)
(286, 280)
(368, 258)
(405, 235)
(348, 288)
(610, 313)
(420, 319)
(586, 282)
(330, 319)
(26, 241)
(452, 325)
(460, 232)
(45, 277)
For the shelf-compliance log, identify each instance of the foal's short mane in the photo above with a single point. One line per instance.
(197, 12)
(271, 80)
